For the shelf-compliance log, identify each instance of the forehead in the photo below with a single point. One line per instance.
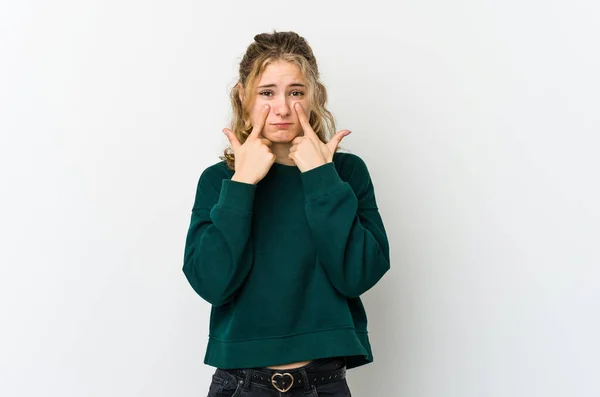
(280, 72)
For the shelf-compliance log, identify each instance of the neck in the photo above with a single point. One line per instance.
(281, 152)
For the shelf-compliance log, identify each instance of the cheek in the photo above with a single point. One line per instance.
(255, 113)
(305, 105)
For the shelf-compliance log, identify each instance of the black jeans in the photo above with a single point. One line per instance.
(226, 383)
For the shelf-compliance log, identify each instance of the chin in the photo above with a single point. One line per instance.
(281, 136)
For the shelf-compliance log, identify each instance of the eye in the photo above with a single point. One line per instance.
(269, 93)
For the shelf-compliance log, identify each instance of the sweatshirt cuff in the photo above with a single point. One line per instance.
(237, 195)
(321, 179)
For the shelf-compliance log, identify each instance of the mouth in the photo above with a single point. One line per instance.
(280, 124)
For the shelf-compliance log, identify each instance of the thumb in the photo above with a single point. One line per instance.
(337, 138)
(235, 143)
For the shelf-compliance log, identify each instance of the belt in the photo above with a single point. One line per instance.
(288, 379)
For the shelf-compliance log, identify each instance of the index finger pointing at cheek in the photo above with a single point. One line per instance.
(260, 123)
(301, 115)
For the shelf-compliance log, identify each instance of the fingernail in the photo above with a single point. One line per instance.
(266, 106)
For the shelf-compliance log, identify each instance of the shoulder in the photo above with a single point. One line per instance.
(350, 166)
(353, 170)
(212, 176)
(218, 169)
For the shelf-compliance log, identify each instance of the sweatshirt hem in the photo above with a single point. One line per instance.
(252, 353)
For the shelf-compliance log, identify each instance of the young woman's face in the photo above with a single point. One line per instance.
(281, 85)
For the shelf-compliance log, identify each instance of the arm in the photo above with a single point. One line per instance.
(218, 248)
(346, 227)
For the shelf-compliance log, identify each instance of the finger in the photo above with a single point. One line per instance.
(235, 143)
(306, 128)
(266, 141)
(260, 123)
(337, 138)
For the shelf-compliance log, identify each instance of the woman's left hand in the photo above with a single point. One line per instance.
(308, 151)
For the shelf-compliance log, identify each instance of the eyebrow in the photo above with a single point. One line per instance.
(273, 85)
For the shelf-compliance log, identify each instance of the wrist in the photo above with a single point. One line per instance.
(242, 179)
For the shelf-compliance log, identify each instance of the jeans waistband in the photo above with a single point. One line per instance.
(316, 372)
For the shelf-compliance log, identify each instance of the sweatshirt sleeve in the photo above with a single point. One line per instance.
(346, 226)
(218, 249)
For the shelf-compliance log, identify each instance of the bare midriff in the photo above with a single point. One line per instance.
(290, 365)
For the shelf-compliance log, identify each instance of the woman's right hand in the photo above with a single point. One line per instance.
(254, 158)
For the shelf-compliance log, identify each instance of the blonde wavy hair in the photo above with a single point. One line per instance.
(268, 48)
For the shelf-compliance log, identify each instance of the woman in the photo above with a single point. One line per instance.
(285, 236)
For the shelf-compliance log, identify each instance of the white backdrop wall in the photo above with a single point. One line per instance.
(479, 123)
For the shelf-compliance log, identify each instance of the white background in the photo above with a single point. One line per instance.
(479, 121)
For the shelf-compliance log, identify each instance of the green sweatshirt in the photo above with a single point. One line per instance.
(283, 262)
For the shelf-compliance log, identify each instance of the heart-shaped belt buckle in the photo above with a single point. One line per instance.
(279, 375)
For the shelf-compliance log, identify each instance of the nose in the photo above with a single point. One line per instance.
(281, 106)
